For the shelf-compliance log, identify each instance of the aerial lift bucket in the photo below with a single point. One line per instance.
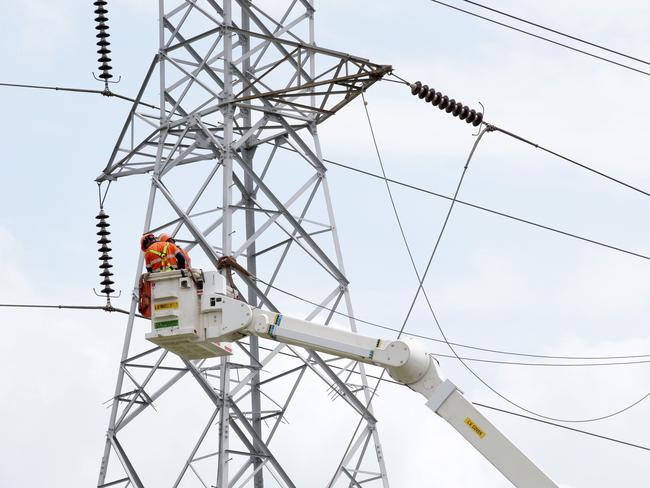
(177, 323)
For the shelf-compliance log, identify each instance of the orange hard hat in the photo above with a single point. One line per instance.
(145, 240)
(165, 238)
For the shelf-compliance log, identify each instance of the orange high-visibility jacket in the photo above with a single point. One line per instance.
(161, 256)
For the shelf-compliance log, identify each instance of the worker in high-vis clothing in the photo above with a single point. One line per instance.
(158, 257)
(168, 238)
(161, 256)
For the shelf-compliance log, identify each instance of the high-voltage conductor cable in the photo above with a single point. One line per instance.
(422, 92)
(572, 161)
(104, 93)
(105, 308)
(555, 31)
(550, 365)
(537, 36)
(463, 112)
(482, 208)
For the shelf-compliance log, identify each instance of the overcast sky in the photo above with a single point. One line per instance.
(495, 283)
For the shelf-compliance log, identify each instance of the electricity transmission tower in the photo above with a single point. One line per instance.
(226, 127)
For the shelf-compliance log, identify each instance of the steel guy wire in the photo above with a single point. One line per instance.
(489, 210)
(522, 31)
(554, 31)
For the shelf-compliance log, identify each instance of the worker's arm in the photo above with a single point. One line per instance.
(180, 257)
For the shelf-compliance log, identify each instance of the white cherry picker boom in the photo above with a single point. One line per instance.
(194, 315)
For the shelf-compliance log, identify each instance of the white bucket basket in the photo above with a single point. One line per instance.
(176, 299)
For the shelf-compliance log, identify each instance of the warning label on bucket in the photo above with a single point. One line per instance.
(165, 306)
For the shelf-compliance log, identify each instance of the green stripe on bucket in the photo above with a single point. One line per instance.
(166, 323)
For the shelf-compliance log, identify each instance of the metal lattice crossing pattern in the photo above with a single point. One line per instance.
(234, 82)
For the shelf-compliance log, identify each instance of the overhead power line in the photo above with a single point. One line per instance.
(482, 208)
(565, 427)
(554, 31)
(105, 308)
(560, 365)
(456, 344)
(105, 93)
(507, 26)
(617, 359)
(570, 160)
(489, 210)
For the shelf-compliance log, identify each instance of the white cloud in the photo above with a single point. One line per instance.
(37, 17)
(13, 282)
(492, 282)
(137, 6)
(616, 287)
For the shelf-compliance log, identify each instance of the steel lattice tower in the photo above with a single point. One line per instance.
(228, 112)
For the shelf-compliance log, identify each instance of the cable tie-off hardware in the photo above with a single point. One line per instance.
(449, 105)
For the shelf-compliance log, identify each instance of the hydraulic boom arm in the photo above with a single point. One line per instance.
(196, 328)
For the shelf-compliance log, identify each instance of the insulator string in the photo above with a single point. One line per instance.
(105, 258)
(103, 43)
(449, 105)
